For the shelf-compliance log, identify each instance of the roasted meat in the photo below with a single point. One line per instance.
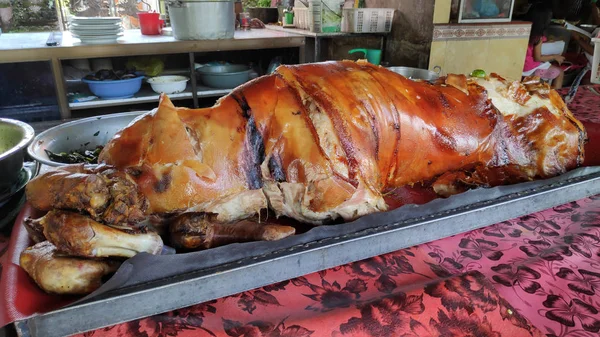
(61, 274)
(200, 231)
(322, 141)
(78, 235)
(317, 143)
(101, 191)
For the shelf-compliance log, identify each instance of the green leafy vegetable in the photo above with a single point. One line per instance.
(76, 156)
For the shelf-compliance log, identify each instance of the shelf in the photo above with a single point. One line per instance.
(146, 95)
(315, 35)
(211, 92)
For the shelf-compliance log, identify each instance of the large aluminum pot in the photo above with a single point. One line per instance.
(202, 19)
(86, 133)
(14, 138)
(417, 74)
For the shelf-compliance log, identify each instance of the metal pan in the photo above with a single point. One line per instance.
(82, 134)
(417, 74)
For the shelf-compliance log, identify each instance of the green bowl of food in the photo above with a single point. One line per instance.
(15, 136)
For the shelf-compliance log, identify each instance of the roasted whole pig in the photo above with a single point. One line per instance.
(316, 143)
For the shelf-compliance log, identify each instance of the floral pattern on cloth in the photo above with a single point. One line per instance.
(585, 104)
(537, 275)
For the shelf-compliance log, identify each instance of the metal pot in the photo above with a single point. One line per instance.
(417, 74)
(14, 138)
(224, 76)
(87, 133)
(202, 19)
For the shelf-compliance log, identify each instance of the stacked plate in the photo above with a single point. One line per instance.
(99, 30)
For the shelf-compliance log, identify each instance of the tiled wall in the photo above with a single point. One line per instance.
(461, 48)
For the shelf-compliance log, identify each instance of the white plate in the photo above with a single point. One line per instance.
(98, 38)
(95, 22)
(98, 41)
(94, 27)
(96, 19)
(95, 33)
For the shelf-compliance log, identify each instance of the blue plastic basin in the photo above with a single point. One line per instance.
(115, 89)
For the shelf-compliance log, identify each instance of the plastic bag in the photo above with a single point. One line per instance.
(150, 65)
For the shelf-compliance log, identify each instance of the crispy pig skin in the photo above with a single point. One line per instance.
(321, 141)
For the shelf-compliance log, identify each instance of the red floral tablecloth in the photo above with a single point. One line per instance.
(586, 103)
(531, 276)
(540, 271)
(586, 107)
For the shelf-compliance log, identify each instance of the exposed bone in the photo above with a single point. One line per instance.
(200, 231)
(78, 235)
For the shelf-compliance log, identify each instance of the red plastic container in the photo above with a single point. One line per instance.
(150, 23)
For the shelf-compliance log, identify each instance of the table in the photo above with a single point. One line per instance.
(585, 107)
(516, 278)
(536, 272)
(531, 276)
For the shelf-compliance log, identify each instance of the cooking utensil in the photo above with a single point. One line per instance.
(168, 84)
(87, 133)
(115, 89)
(202, 19)
(224, 76)
(15, 136)
(417, 74)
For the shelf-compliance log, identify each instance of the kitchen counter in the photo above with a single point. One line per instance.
(25, 47)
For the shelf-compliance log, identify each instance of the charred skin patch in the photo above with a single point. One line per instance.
(276, 169)
(254, 147)
(163, 183)
(255, 154)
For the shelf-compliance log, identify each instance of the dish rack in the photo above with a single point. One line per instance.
(310, 15)
(308, 18)
(301, 18)
(367, 20)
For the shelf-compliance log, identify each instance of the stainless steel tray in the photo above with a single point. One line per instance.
(137, 292)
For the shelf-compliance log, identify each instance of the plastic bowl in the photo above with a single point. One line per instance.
(115, 89)
(168, 84)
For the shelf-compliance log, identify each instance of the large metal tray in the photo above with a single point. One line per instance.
(147, 285)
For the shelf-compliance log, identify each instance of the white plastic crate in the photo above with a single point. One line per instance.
(595, 61)
(301, 18)
(315, 16)
(300, 4)
(367, 20)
